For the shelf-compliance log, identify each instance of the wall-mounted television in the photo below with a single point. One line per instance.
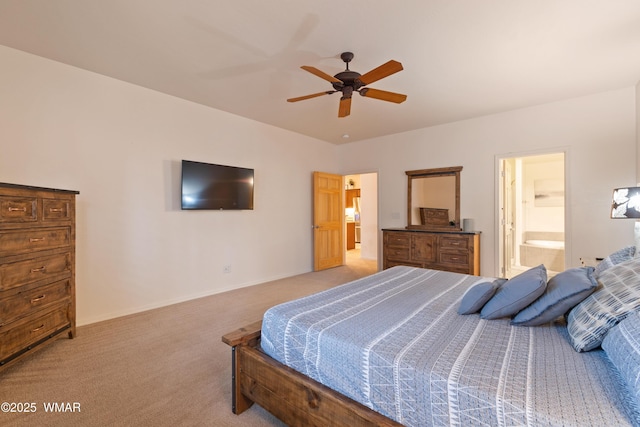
(219, 187)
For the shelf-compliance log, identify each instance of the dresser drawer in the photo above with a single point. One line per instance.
(393, 263)
(461, 258)
(23, 241)
(24, 303)
(18, 209)
(458, 269)
(398, 239)
(56, 210)
(453, 242)
(23, 333)
(400, 254)
(29, 271)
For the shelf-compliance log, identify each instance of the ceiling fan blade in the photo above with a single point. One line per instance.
(382, 71)
(313, 95)
(383, 95)
(345, 107)
(321, 74)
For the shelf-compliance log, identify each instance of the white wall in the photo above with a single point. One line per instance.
(369, 219)
(120, 145)
(598, 132)
(541, 218)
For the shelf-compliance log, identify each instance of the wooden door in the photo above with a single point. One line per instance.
(328, 218)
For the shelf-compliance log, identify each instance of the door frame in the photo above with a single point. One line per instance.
(568, 252)
(378, 229)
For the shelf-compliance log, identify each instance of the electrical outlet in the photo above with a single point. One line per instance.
(226, 269)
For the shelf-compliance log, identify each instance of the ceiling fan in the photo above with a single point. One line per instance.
(348, 81)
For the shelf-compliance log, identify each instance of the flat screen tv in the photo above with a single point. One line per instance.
(219, 187)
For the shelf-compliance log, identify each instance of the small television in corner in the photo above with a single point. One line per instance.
(216, 187)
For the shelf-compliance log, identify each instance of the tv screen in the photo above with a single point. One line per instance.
(209, 186)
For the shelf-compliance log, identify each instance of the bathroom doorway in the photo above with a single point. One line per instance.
(531, 204)
(361, 218)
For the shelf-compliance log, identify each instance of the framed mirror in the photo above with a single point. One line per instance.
(433, 199)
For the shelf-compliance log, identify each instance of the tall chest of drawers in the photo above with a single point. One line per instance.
(37, 268)
(456, 251)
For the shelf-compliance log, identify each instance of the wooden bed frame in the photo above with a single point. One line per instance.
(294, 398)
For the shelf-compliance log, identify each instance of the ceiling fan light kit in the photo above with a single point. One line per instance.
(348, 81)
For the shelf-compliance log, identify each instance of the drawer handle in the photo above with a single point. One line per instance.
(56, 210)
(455, 243)
(38, 328)
(38, 299)
(39, 270)
(37, 239)
(24, 209)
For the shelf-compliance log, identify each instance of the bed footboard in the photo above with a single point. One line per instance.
(248, 337)
(294, 398)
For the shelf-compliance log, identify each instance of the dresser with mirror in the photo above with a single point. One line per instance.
(433, 237)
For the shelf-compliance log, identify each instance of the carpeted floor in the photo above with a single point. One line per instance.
(164, 367)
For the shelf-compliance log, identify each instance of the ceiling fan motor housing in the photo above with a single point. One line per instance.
(348, 78)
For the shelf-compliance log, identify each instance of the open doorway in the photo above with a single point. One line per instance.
(531, 203)
(361, 218)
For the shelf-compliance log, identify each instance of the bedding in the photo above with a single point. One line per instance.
(395, 343)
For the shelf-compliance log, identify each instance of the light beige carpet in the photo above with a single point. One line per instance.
(164, 367)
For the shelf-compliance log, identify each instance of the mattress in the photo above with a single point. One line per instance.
(394, 342)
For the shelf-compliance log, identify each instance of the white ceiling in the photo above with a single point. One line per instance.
(461, 58)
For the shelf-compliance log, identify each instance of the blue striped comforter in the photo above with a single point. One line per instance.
(394, 342)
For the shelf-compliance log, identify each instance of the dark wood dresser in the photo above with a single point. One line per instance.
(37, 268)
(457, 251)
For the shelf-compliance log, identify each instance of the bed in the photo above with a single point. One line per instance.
(391, 349)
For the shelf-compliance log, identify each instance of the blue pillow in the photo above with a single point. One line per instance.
(516, 294)
(564, 291)
(477, 295)
(622, 345)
